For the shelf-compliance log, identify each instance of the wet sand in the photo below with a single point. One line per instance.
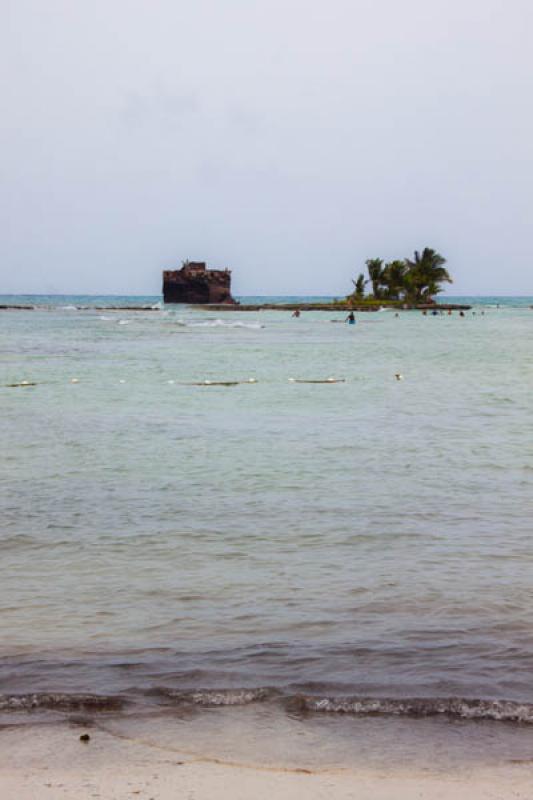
(43, 761)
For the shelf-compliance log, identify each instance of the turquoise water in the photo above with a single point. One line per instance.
(370, 537)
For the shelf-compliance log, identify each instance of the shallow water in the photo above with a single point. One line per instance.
(261, 735)
(369, 538)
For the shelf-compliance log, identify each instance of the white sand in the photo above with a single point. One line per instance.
(51, 762)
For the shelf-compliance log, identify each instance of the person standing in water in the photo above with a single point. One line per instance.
(350, 319)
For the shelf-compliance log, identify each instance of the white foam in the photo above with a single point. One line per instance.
(221, 323)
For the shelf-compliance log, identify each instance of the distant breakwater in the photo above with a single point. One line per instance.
(333, 307)
(45, 307)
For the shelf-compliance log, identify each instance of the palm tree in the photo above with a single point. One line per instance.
(375, 272)
(359, 284)
(394, 278)
(424, 276)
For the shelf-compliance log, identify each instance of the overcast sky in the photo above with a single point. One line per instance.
(287, 139)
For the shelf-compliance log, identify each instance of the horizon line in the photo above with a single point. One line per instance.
(292, 294)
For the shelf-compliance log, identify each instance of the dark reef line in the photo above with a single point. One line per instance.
(260, 307)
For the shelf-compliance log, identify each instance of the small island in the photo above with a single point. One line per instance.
(402, 283)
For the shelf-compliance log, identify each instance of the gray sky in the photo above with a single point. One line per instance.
(287, 139)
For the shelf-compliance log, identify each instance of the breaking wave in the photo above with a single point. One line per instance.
(57, 701)
(453, 707)
(209, 698)
(414, 708)
(220, 323)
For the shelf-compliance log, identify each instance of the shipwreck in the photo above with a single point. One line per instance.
(195, 284)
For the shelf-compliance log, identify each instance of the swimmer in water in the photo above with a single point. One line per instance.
(350, 319)
(296, 312)
(461, 313)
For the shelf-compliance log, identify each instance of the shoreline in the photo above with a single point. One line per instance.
(161, 698)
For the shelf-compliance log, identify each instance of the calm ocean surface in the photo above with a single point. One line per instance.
(370, 538)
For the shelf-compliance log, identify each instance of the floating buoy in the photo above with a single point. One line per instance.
(122, 380)
(322, 380)
(219, 383)
(74, 380)
(213, 383)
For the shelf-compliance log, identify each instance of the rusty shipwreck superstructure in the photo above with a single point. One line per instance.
(196, 284)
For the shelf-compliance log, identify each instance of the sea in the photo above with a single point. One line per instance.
(283, 539)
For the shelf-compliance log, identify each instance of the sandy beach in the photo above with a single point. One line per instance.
(51, 762)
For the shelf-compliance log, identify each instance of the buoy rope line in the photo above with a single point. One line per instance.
(24, 384)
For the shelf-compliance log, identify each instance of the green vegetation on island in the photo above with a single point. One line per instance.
(412, 282)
